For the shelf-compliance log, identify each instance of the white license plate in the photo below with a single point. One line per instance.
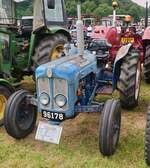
(53, 116)
(48, 133)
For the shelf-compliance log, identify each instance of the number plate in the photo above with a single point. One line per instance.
(48, 133)
(53, 116)
(126, 40)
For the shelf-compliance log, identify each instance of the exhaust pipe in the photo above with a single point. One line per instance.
(146, 15)
(80, 33)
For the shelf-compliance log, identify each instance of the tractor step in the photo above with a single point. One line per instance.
(107, 90)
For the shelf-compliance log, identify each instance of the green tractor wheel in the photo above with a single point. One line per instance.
(49, 49)
(4, 95)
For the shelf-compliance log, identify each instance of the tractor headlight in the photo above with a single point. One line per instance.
(44, 99)
(60, 100)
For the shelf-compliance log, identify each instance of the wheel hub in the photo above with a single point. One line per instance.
(3, 102)
(24, 117)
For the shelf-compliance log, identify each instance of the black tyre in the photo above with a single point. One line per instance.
(109, 130)
(129, 81)
(147, 64)
(20, 116)
(49, 49)
(5, 93)
(147, 138)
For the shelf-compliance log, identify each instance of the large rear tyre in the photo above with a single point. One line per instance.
(147, 64)
(109, 131)
(20, 116)
(5, 93)
(147, 139)
(50, 48)
(129, 81)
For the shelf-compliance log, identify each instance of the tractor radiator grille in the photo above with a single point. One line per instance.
(53, 87)
(60, 87)
(44, 85)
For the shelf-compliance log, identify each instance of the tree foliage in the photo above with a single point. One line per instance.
(98, 7)
(104, 8)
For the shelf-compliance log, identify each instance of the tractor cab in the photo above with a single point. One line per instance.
(48, 13)
(7, 12)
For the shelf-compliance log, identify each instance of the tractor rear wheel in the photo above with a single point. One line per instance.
(5, 92)
(129, 82)
(147, 138)
(20, 115)
(50, 48)
(109, 130)
(147, 64)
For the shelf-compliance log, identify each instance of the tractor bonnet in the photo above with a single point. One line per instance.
(68, 67)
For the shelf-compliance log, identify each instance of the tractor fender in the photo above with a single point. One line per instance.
(117, 64)
(52, 30)
(7, 84)
(41, 32)
(146, 35)
(58, 29)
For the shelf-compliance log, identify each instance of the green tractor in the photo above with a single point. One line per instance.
(27, 43)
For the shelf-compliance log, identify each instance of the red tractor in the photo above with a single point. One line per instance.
(146, 42)
(109, 40)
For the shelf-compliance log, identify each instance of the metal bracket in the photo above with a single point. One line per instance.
(32, 100)
(89, 109)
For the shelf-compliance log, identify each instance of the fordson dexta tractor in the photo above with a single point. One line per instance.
(68, 86)
(24, 47)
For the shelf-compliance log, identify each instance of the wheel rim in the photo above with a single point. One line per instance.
(137, 84)
(57, 51)
(24, 115)
(3, 101)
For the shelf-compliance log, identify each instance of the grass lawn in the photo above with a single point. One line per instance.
(79, 144)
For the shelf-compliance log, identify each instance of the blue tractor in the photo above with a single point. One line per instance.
(65, 88)
(68, 86)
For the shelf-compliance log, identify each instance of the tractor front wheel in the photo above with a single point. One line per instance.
(147, 139)
(5, 92)
(20, 115)
(50, 48)
(130, 77)
(147, 64)
(109, 130)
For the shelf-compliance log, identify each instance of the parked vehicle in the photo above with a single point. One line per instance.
(107, 40)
